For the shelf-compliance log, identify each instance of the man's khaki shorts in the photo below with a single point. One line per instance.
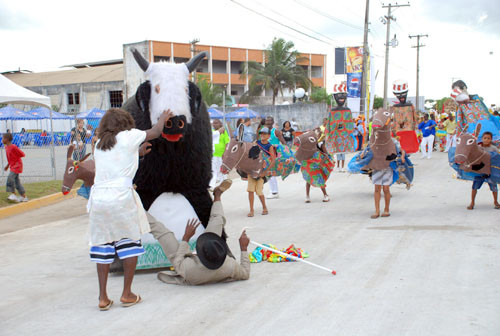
(256, 185)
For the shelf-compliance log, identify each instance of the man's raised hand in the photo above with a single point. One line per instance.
(191, 227)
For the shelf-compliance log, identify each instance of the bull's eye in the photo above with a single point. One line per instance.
(180, 124)
(168, 124)
(71, 170)
(470, 142)
(458, 141)
(157, 88)
(312, 139)
(234, 149)
(387, 113)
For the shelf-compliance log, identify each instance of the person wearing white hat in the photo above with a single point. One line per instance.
(340, 125)
(404, 114)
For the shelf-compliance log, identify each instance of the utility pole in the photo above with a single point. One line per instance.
(364, 77)
(193, 53)
(387, 20)
(418, 46)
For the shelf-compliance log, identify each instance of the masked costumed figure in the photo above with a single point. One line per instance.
(404, 118)
(383, 155)
(173, 179)
(471, 111)
(339, 131)
(316, 164)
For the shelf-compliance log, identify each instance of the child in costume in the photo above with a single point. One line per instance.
(479, 180)
(257, 185)
(116, 215)
(14, 161)
(316, 164)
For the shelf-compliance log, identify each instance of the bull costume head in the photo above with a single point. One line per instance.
(470, 156)
(77, 170)
(307, 145)
(244, 156)
(340, 93)
(400, 90)
(169, 90)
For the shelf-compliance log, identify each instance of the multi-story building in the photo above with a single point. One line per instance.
(107, 84)
(224, 65)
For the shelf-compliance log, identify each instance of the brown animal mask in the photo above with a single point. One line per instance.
(244, 156)
(308, 145)
(470, 156)
(384, 149)
(77, 170)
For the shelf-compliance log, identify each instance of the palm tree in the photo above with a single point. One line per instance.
(279, 71)
(212, 94)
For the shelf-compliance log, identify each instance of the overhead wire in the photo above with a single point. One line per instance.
(331, 17)
(281, 24)
(292, 20)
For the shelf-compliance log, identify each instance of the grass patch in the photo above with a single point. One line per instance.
(35, 190)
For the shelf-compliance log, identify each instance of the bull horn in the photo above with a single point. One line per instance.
(143, 64)
(193, 62)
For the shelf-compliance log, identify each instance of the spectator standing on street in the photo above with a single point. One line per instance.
(78, 139)
(294, 125)
(288, 133)
(14, 155)
(359, 133)
(428, 128)
(450, 125)
(219, 149)
(248, 133)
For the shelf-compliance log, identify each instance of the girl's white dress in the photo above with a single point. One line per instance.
(115, 209)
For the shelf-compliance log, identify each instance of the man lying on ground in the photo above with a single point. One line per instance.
(213, 261)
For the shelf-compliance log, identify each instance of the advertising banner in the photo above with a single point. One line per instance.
(354, 59)
(354, 85)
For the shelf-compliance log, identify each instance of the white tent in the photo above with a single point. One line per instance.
(12, 93)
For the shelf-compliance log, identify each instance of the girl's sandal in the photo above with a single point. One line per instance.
(130, 304)
(385, 214)
(107, 306)
(265, 212)
(250, 214)
(375, 216)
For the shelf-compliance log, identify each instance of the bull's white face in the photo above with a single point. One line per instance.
(169, 90)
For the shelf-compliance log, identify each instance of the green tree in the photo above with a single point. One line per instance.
(279, 71)
(212, 94)
(378, 102)
(319, 95)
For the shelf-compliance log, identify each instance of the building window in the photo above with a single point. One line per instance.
(234, 93)
(115, 98)
(162, 59)
(317, 72)
(219, 67)
(73, 102)
(74, 98)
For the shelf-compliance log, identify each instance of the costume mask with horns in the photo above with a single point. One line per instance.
(169, 90)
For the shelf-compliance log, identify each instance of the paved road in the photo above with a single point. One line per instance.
(430, 269)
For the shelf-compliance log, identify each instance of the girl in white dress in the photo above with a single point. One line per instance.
(116, 216)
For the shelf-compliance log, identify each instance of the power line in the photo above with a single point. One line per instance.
(281, 24)
(317, 11)
(283, 16)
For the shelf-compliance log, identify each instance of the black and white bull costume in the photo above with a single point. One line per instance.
(180, 160)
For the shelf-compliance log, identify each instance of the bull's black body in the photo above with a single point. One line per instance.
(182, 167)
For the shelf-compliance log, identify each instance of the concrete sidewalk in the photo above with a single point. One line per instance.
(432, 268)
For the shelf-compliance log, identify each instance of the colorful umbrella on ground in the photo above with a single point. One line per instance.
(11, 113)
(44, 113)
(94, 113)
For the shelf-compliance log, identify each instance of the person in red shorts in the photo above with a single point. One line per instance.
(14, 155)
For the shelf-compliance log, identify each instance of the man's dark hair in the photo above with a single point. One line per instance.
(114, 121)
(488, 133)
(8, 136)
